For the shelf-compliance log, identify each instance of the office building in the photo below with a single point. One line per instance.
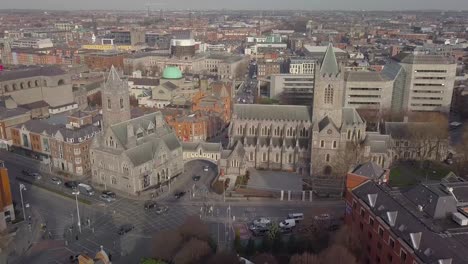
(302, 66)
(297, 89)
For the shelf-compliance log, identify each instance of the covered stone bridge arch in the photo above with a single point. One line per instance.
(202, 151)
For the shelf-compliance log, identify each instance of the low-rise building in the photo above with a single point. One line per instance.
(424, 224)
(65, 147)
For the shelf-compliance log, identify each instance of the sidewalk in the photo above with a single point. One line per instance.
(25, 237)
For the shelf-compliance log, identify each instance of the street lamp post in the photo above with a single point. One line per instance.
(22, 187)
(76, 193)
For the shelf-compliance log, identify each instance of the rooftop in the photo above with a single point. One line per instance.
(31, 72)
(433, 240)
(273, 112)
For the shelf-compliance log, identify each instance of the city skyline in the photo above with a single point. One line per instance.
(355, 5)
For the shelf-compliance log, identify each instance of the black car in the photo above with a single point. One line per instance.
(259, 231)
(178, 195)
(109, 193)
(26, 172)
(150, 205)
(125, 229)
(71, 184)
(196, 178)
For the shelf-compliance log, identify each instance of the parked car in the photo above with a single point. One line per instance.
(296, 216)
(56, 180)
(109, 193)
(161, 209)
(125, 229)
(262, 221)
(178, 195)
(449, 161)
(71, 184)
(287, 224)
(26, 172)
(196, 178)
(106, 198)
(259, 231)
(36, 176)
(150, 205)
(85, 189)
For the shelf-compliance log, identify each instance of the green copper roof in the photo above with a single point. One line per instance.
(329, 63)
(172, 72)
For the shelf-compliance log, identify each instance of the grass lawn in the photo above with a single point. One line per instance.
(407, 174)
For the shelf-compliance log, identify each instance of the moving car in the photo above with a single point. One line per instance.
(205, 168)
(26, 172)
(150, 205)
(56, 180)
(109, 193)
(161, 209)
(106, 198)
(178, 195)
(125, 229)
(196, 178)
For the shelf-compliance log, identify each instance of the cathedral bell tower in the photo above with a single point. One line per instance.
(115, 100)
(329, 89)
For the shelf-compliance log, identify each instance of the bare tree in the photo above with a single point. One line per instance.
(349, 239)
(166, 244)
(337, 254)
(304, 258)
(429, 139)
(241, 70)
(461, 159)
(224, 258)
(155, 70)
(192, 251)
(264, 258)
(193, 227)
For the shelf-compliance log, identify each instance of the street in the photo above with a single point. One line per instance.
(100, 221)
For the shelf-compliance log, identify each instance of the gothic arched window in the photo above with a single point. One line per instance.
(328, 97)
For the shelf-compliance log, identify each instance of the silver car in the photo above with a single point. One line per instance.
(56, 180)
(106, 198)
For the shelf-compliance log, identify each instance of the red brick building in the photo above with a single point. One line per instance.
(408, 227)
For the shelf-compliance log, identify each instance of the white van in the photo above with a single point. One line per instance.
(287, 224)
(85, 189)
(296, 216)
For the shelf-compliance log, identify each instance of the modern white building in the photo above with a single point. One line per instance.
(32, 43)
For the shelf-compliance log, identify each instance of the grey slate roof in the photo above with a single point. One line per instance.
(206, 146)
(370, 170)
(411, 58)
(144, 81)
(120, 129)
(402, 130)
(329, 64)
(169, 85)
(351, 116)
(31, 72)
(404, 219)
(6, 113)
(273, 112)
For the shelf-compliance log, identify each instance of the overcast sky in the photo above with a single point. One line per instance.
(238, 4)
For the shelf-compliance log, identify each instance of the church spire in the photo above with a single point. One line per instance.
(329, 62)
